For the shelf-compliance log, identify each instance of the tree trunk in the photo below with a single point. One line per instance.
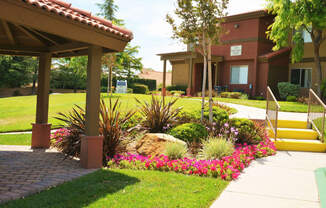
(110, 81)
(210, 82)
(204, 79)
(35, 78)
(319, 74)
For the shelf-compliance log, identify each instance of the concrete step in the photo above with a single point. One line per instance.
(291, 133)
(292, 124)
(300, 145)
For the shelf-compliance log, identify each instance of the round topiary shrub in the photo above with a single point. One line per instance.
(220, 116)
(189, 132)
(140, 89)
(248, 132)
(291, 98)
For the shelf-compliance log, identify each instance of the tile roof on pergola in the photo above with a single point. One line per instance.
(32, 27)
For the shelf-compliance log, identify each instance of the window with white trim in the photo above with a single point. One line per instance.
(239, 74)
(301, 77)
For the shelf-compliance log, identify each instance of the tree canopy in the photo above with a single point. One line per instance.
(16, 71)
(293, 17)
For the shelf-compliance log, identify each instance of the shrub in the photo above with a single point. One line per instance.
(189, 132)
(225, 94)
(175, 150)
(16, 93)
(258, 98)
(133, 121)
(140, 89)
(178, 92)
(158, 115)
(217, 148)
(220, 116)
(248, 131)
(104, 89)
(226, 108)
(236, 95)
(177, 88)
(287, 89)
(291, 98)
(111, 124)
(323, 89)
(74, 122)
(130, 90)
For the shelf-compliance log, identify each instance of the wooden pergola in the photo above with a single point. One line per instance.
(53, 28)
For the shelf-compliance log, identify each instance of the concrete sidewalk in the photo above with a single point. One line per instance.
(260, 114)
(283, 181)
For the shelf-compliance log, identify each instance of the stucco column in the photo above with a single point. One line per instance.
(191, 65)
(92, 143)
(41, 129)
(164, 79)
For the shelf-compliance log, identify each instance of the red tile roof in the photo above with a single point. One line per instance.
(65, 9)
(275, 53)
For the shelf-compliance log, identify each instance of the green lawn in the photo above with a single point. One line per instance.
(285, 106)
(128, 188)
(15, 139)
(17, 113)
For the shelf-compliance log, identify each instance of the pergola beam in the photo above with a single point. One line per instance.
(8, 32)
(44, 36)
(30, 35)
(68, 47)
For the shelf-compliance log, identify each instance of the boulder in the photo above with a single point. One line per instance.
(154, 144)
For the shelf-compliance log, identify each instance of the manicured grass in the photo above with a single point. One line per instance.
(285, 106)
(128, 188)
(17, 113)
(15, 139)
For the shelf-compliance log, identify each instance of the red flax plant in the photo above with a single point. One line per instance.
(111, 123)
(158, 114)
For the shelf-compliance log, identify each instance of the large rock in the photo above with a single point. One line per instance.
(154, 144)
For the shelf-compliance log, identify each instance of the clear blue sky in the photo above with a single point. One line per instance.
(146, 18)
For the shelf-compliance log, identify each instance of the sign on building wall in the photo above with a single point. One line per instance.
(121, 86)
(236, 50)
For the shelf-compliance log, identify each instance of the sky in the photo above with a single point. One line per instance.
(146, 19)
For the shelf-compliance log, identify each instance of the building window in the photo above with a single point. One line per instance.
(306, 36)
(301, 77)
(239, 74)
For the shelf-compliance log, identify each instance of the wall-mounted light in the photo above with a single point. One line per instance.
(236, 26)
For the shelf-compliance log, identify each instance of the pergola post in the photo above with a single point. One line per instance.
(164, 79)
(92, 143)
(216, 73)
(190, 77)
(41, 129)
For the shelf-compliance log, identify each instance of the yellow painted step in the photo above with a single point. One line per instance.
(289, 133)
(292, 124)
(300, 145)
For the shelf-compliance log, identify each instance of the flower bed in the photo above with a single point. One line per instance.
(227, 168)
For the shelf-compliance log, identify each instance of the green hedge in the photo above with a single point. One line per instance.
(132, 81)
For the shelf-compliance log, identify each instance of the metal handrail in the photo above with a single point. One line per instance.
(316, 110)
(272, 109)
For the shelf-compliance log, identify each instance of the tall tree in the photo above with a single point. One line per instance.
(294, 16)
(108, 10)
(127, 62)
(200, 25)
(123, 64)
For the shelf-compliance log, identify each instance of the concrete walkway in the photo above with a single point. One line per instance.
(284, 181)
(260, 114)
